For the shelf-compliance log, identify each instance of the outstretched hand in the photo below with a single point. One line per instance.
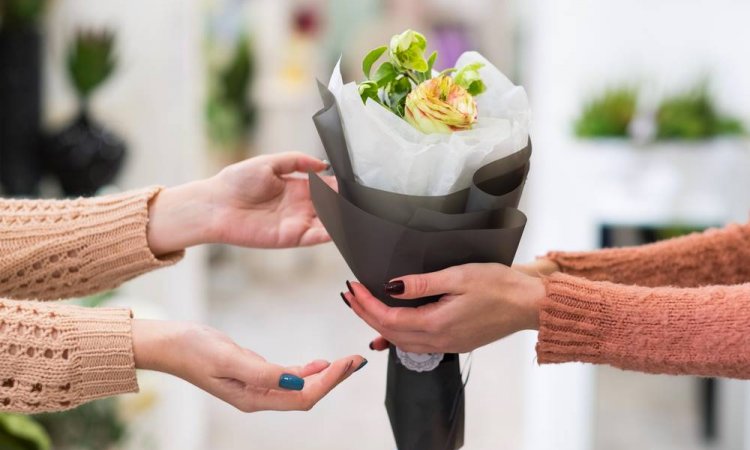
(240, 377)
(258, 203)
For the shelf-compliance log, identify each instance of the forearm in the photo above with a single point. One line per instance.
(66, 248)
(695, 331)
(716, 256)
(56, 357)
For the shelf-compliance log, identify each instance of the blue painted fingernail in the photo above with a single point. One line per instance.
(291, 382)
(364, 363)
(349, 286)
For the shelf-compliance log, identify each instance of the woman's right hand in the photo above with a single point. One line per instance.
(213, 362)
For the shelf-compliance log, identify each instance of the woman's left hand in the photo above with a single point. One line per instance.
(254, 203)
(480, 304)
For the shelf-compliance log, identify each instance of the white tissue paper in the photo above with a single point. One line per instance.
(387, 153)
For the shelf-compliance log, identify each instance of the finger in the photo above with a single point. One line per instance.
(314, 235)
(316, 387)
(399, 338)
(285, 163)
(310, 368)
(447, 281)
(379, 344)
(395, 319)
(260, 374)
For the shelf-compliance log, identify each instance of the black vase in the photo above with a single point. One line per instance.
(20, 106)
(84, 156)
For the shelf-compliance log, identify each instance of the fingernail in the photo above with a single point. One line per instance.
(349, 286)
(345, 300)
(394, 287)
(372, 345)
(327, 163)
(291, 382)
(364, 363)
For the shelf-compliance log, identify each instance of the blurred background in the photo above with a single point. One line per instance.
(641, 111)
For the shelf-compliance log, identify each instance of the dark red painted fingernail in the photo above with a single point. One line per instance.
(372, 345)
(361, 365)
(349, 286)
(345, 300)
(394, 287)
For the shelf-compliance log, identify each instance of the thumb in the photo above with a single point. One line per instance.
(286, 163)
(446, 281)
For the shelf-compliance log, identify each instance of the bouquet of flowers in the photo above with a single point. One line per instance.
(430, 168)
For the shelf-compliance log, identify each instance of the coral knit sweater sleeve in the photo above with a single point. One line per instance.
(663, 316)
(55, 356)
(715, 256)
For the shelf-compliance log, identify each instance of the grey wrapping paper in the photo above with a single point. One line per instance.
(383, 235)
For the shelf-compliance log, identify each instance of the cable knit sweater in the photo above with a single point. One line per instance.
(55, 356)
(676, 306)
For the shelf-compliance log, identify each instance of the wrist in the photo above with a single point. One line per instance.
(154, 344)
(533, 293)
(179, 217)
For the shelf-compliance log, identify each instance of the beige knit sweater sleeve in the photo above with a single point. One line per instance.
(54, 356)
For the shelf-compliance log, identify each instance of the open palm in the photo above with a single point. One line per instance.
(260, 203)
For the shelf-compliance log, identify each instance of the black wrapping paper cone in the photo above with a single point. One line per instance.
(384, 235)
(414, 399)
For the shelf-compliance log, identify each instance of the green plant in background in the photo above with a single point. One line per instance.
(692, 115)
(92, 426)
(91, 60)
(609, 114)
(21, 13)
(19, 432)
(230, 114)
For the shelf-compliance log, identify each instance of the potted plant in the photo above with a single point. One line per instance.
(230, 114)
(608, 115)
(693, 115)
(684, 160)
(20, 95)
(85, 156)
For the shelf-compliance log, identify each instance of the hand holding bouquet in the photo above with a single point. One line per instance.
(430, 168)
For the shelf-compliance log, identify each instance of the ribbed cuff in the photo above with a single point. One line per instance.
(571, 321)
(116, 228)
(582, 263)
(101, 352)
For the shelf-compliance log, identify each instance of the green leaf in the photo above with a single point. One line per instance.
(476, 87)
(430, 62)
(399, 89)
(22, 432)
(385, 74)
(368, 89)
(370, 59)
(468, 77)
